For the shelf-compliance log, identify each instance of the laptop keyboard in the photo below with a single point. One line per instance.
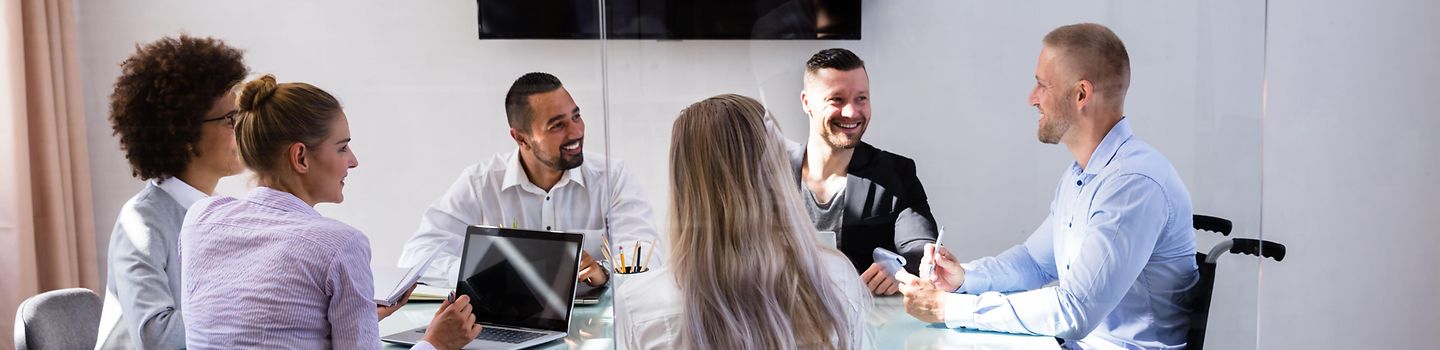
(507, 335)
(503, 335)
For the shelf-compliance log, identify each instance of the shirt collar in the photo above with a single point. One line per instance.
(1108, 147)
(515, 174)
(280, 200)
(182, 192)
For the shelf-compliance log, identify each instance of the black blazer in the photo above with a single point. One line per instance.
(885, 206)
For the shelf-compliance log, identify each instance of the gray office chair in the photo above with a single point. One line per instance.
(1200, 296)
(58, 319)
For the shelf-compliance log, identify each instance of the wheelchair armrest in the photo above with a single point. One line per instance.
(1249, 246)
(1257, 247)
(1214, 224)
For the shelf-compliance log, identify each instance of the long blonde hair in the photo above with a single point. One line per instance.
(744, 254)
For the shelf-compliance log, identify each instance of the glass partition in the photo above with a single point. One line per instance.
(949, 84)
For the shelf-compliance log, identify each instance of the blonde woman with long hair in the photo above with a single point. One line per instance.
(746, 269)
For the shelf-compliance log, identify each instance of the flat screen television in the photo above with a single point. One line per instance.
(671, 19)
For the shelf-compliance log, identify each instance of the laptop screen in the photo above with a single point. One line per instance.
(520, 278)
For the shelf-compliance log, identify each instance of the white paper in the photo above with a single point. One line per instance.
(391, 282)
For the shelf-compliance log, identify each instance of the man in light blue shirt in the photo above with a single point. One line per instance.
(1118, 242)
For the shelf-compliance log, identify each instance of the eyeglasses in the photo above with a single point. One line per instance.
(228, 117)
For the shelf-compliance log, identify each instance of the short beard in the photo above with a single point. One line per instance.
(1051, 132)
(836, 140)
(834, 144)
(559, 161)
(1054, 130)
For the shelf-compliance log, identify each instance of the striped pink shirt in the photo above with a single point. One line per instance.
(267, 271)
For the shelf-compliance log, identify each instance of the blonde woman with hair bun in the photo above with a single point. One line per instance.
(267, 270)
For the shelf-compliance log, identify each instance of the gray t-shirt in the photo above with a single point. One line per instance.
(826, 217)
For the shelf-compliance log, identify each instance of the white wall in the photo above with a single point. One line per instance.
(1350, 166)
(950, 81)
(423, 95)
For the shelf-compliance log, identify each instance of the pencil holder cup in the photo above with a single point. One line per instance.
(630, 270)
(620, 276)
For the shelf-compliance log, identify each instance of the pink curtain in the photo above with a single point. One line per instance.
(47, 238)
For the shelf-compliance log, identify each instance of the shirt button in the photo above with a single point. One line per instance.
(547, 198)
(1078, 182)
(547, 228)
(1067, 266)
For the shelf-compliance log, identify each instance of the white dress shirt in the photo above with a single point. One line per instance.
(183, 193)
(498, 193)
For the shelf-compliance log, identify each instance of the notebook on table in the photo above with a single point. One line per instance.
(391, 283)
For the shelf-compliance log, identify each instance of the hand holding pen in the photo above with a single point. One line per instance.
(941, 267)
(591, 272)
(927, 265)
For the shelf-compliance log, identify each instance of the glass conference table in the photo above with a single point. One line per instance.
(889, 327)
(591, 326)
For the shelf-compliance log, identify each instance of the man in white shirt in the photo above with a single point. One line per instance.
(547, 183)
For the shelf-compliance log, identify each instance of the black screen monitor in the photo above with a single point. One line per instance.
(670, 19)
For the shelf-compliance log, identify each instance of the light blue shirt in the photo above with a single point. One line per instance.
(1120, 243)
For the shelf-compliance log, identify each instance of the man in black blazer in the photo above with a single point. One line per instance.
(868, 197)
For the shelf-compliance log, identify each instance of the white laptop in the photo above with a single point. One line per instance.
(521, 285)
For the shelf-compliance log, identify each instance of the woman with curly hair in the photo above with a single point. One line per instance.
(174, 111)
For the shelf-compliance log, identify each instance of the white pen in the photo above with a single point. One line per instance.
(936, 253)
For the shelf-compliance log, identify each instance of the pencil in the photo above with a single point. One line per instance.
(646, 265)
(622, 259)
